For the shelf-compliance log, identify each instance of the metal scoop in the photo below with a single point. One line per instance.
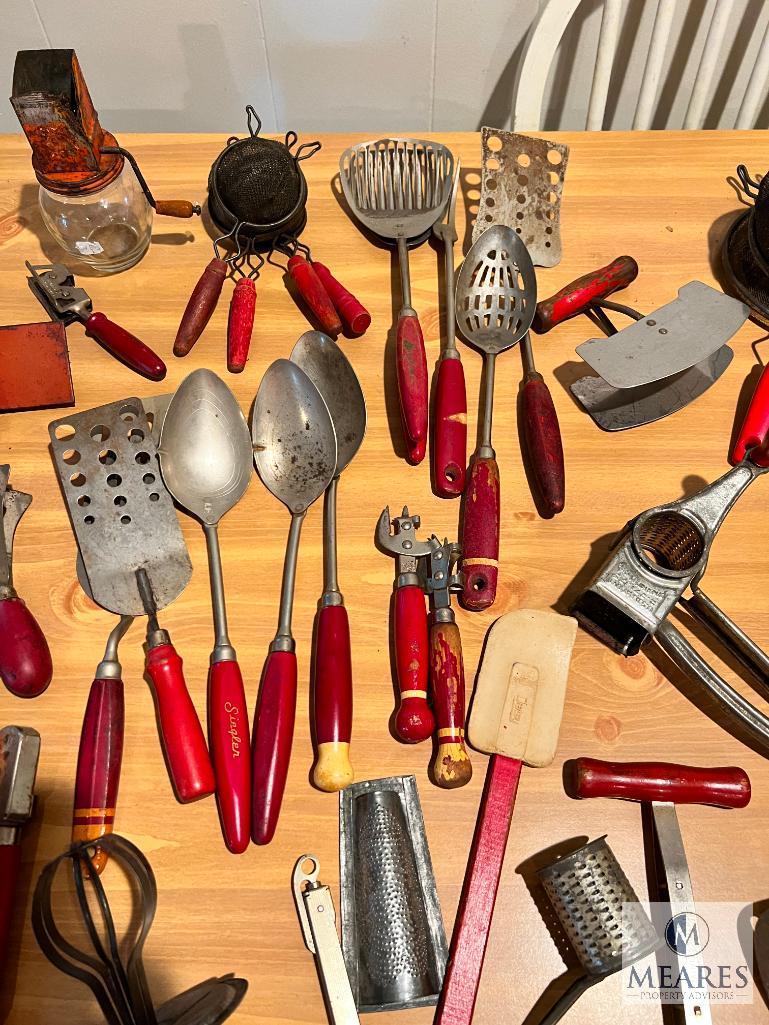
(296, 457)
(205, 459)
(495, 301)
(331, 373)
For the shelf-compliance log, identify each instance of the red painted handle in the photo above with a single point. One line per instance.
(450, 450)
(452, 767)
(578, 295)
(126, 347)
(314, 294)
(414, 720)
(355, 317)
(10, 860)
(479, 892)
(98, 765)
(415, 451)
(273, 735)
(724, 787)
(480, 535)
(25, 659)
(333, 700)
(754, 433)
(411, 364)
(241, 324)
(200, 306)
(230, 744)
(542, 438)
(189, 766)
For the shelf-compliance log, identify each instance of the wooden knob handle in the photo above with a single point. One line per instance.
(724, 787)
(355, 316)
(200, 306)
(411, 365)
(176, 207)
(414, 720)
(450, 449)
(333, 700)
(316, 297)
(452, 766)
(578, 295)
(25, 659)
(544, 448)
(240, 325)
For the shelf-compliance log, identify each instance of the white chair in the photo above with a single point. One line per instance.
(547, 31)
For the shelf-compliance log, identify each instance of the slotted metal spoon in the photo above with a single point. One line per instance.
(397, 188)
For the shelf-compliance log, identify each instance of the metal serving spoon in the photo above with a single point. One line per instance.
(295, 455)
(205, 459)
(330, 371)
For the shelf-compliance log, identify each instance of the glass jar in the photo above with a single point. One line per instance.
(109, 228)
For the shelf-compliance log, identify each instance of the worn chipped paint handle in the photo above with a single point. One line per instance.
(240, 325)
(333, 699)
(450, 449)
(310, 288)
(753, 437)
(480, 535)
(125, 347)
(414, 720)
(200, 306)
(411, 365)
(25, 658)
(722, 787)
(230, 752)
(542, 438)
(578, 295)
(273, 737)
(452, 766)
(355, 317)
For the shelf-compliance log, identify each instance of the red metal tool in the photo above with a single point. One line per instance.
(583, 294)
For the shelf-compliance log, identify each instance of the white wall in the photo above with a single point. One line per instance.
(364, 65)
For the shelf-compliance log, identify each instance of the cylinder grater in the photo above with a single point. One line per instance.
(393, 939)
(600, 914)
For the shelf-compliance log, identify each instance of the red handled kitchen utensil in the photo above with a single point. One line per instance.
(664, 785)
(516, 716)
(584, 294)
(396, 188)
(54, 286)
(205, 459)
(295, 452)
(753, 437)
(25, 659)
(331, 373)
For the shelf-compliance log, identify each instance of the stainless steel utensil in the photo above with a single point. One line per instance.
(295, 452)
(205, 459)
(331, 373)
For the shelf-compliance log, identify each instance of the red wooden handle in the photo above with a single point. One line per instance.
(724, 787)
(414, 720)
(10, 860)
(578, 295)
(542, 438)
(200, 306)
(241, 324)
(230, 752)
(333, 700)
(452, 767)
(450, 449)
(480, 535)
(25, 659)
(415, 451)
(99, 758)
(479, 892)
(355, 317)
(189, 766)
(126, 347)
(754, 433)
(273, 736)
(314, 294)
(411, 364)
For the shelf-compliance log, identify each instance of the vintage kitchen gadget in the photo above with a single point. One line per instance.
(331, 373)
(427, 567)
(659, 363)
(95, 205)
(295, 452)
(665, 785)
(392, 932)
(516, 717)
(745, 248)
(522, 187)
(397, 188)
(19, 755)
(25, 659)
(450, 427)
(35, 362)
(54, 286)
(315, 908)
(598, 910)
(495, 299)
(112, 966)
(205, 459)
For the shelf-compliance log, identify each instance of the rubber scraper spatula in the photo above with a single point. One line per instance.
(516, 716)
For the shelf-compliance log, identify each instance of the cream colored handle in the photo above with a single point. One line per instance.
(332, 970)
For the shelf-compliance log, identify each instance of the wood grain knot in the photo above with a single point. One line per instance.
(525, 515)
(635, 674)
(11, 224)
(607, 729)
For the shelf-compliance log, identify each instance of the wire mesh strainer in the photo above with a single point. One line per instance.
(745, 249)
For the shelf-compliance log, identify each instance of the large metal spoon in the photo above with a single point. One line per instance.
(330, 371)
(295, 455)
(205, 459)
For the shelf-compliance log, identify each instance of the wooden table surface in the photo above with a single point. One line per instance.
(662, 197)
